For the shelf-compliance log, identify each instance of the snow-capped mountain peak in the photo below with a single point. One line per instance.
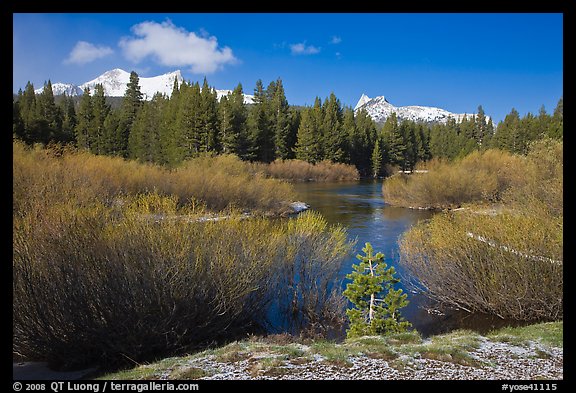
(363, 99)
(380, 109)
(115, 83)
(62, 88)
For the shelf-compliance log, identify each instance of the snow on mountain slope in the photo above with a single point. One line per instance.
(363, 100)
(380, 109)
(61, 88)
(248, 99)
(115, 82)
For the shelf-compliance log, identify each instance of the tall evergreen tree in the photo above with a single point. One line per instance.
(394, 141)
(100, 111)
(188, 122)
(259, 131)
(208, 114)
(228, 138)
(377, 160)
(144, 141)
(168, 128)
(131, 104)
(556, 127)
(69, 120)
(507, 136)
(365, 141)
(17, 122)
(481, 127)
(308, 143)
(85, 117)
(335, 139)
(280, 120)
(48, 110)
(110, 143)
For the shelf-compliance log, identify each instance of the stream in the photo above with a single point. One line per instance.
(359, 206)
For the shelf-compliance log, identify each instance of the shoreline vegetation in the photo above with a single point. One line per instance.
(99, 277)
(500, 250)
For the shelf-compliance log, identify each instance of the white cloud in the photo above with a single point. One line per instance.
(335, 40)
(302, 49)
(173, 46)
(85, 52)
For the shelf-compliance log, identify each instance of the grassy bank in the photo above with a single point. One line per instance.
(281, 355)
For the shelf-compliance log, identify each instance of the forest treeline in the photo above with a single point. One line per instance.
(191, 122)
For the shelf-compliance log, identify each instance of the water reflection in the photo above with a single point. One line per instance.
(360, 207)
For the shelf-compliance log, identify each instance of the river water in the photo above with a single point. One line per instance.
(359, 206)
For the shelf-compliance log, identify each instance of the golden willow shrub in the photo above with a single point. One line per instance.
(100, 284)
(302, 171)
(509, 264)
(218, 183)
(103, 276)
(478, 177)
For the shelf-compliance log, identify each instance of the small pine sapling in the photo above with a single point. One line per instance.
(376, 303)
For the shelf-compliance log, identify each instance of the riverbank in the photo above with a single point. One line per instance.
(524, 353)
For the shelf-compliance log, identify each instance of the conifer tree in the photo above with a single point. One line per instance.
(110, 144)
(48, 110)
(376, 304)
(144, 140)
(69, 120)
(376, 160)
(365, 141)
(228, 138)
(257, 143)
(238, 121)
(100, 110)
(259, 131)
(481, 126)
(188, 123)
(85, 116)
(556, 127)
(168, 129)
(29, 114)
(208, 114)
(280, 120)
(308, 143)
(394, 141)
(17, 122)
(335, 139)
(131, 104)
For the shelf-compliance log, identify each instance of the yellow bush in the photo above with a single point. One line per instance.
(480, 176)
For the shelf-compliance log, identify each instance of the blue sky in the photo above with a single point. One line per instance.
(452, 61)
